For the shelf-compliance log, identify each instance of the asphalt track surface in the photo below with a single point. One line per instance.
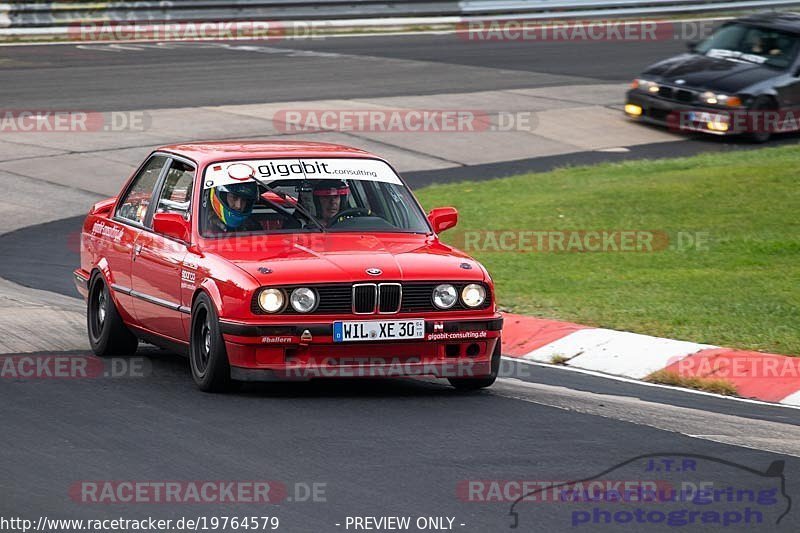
(387, 447)
(394, 447)
(202, 74)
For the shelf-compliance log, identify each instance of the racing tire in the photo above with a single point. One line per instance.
(207, 355)
(108, 334)
(761, 103)
(471, 384)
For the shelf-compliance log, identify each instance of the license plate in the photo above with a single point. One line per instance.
(702, 116)
(379, 330)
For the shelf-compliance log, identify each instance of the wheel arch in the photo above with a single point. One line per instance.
(770, 96)
(102, 268)
(208, 287)
(104, 271)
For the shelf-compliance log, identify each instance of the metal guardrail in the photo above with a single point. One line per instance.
(32, 14)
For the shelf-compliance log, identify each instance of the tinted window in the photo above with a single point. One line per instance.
(136, 202)
(741, 42)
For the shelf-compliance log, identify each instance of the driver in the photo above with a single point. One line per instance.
(232, 206)
(329, 198)
(766, 45)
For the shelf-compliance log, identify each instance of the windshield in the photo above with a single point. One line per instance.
(751, 44)
(293, 195)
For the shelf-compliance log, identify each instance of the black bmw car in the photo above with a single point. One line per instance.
(743, 79)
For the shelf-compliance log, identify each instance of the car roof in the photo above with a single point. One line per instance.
(206, 152)
(779, 20)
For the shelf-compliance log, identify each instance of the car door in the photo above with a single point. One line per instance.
(787, 85)
(123, 230)
(157, 267)
(790, 89)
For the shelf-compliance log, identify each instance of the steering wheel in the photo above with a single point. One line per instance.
(347, 214)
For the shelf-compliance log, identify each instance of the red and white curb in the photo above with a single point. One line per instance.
(766, 377)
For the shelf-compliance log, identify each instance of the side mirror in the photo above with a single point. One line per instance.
(443, 218)
(172, 225)
(103, 207)
(691, 45)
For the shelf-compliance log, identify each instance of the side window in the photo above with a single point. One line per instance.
(176, 194)
(134, 206)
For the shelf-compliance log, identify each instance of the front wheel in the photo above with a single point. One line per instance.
(467, 384)
(760, 106)
(207, 355)
(108, 334)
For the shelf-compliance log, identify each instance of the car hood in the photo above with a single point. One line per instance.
(709, 73)
(331, 258)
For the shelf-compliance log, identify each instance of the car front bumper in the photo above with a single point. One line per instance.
(681, 117)
(451, 348)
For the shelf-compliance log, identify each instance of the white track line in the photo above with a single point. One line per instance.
(614, 352)
(656, 385)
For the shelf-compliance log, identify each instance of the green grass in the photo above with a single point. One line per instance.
(741, 290)
(717, 386)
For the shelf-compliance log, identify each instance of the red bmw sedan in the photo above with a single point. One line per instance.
(282, 261)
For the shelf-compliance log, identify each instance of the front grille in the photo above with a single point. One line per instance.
(684, 96)
(418, 297)
(389, 295)
(362, 298)
(665, 92)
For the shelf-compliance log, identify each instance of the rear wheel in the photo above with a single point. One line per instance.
(467, 384)
(207, 356)
(108, 334)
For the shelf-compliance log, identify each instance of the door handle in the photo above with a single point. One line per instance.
(137, 249)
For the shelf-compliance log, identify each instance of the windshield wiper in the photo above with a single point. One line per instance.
(297, 205)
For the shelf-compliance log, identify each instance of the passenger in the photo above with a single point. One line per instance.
(329, 198)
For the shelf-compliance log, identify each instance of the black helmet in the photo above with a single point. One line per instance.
(328, 188)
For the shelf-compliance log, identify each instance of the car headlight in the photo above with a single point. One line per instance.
(444, 296)
(473, 295)
(303, 300)
(709, 97)
(271, 300)
(645, 85)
